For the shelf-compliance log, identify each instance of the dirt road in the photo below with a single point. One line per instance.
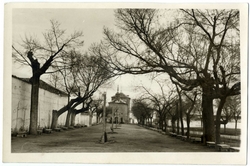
(127, 138)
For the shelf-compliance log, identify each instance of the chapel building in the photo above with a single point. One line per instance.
(120, 105)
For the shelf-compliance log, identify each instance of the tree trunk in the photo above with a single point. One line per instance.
(180, 113)
(161, 124)
(34, 105)
(188, 125)
(62, 110)
(235, 127)
(218, 119)
(178, 118)
(178, 125)
(201, 122)
(54, 119)
(68, 118)
(97, 118)
(208, 118)
(165, 123)
(90, 118)
(173, 124)
(72, 118)
(181, 119)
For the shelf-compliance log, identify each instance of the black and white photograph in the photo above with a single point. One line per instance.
(140, 83)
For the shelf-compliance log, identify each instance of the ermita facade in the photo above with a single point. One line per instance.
(120, 105)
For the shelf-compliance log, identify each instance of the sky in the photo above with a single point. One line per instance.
(89, 21)
(33, 22)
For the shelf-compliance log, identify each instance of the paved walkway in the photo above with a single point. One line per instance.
(127, 138)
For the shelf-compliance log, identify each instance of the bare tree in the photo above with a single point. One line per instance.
(230, 111)
(68, 83)
(54, 80)
(189, 107)
(199, 49)
(162, 104)
(226, 117)
(94, 106)
(173, 113)
(236, 110)
(86, 105)
(141, 110)
(41, 57)
(89, 73)
(98, 109)
(180, 110)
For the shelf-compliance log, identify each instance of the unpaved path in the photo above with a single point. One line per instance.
(127, 138)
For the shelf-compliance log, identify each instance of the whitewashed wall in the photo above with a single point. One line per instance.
(21, 106)
(83, 119)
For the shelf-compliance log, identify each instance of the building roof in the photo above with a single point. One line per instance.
(43, 85)
(121, 95)
(118, 101)
(119, 98)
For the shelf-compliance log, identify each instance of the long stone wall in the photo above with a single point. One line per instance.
(84, 119)
(48, 101)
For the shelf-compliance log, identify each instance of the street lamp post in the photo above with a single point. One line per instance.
(104, 137)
